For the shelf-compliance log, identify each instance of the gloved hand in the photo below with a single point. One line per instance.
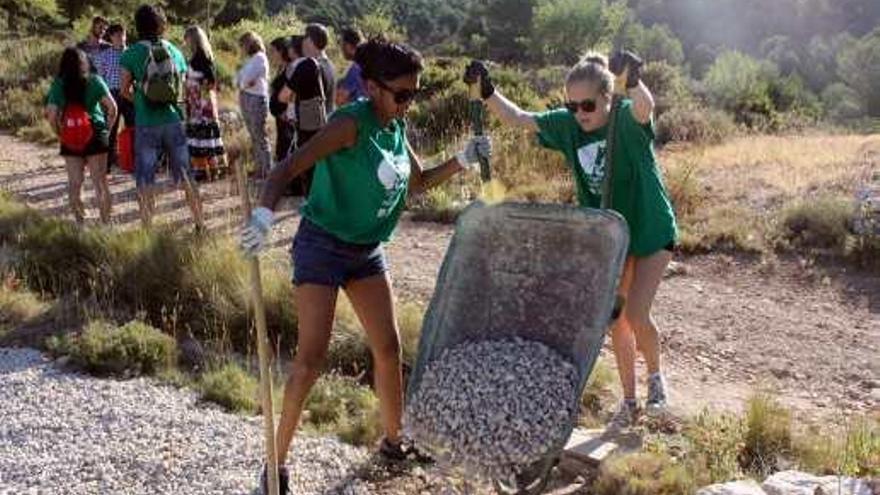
(478, 147)
(256, 232)
(627, 66)
(478, 70)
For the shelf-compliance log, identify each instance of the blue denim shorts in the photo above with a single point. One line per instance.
(149, 141)
(322, 259)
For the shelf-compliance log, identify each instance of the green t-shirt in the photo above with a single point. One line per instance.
(96, 90)
(358, 193)
(638, 192)
(147, 114)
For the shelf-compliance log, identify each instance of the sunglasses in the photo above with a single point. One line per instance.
(588, 106)
(401, 96)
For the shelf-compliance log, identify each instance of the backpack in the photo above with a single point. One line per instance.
(76, 128)
(162, 78)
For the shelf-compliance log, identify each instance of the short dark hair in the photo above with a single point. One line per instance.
(318, 34)
(296, 44)
(351, 36)
(115, 28)
(381, 60)
(99, 18)
(150, 21)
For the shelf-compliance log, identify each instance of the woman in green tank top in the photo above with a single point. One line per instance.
(579, 132)
(363, 170)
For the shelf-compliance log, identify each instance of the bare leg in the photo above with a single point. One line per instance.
(315, 307)
(98, 171)
(623, 340)
(146, 204)
(75, 177)
(647, 275)
(191, 191)
(372, 301)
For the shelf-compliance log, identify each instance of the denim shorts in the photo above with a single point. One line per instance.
(149, 141)
(320, 258)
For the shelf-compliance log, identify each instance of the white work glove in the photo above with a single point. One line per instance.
(256, 232)
(476, 148)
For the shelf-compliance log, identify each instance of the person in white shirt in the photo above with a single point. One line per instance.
(253, 84)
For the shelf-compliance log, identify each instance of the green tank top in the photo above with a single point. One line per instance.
(358, 193)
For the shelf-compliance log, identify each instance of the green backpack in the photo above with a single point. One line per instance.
(162, 79)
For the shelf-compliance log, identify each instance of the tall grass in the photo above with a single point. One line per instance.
(182, 285)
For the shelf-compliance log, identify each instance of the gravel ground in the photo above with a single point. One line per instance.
(64, 433)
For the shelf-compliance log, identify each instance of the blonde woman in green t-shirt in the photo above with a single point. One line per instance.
(364, 168)
(579, 132)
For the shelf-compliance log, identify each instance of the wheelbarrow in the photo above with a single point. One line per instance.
(513, 270)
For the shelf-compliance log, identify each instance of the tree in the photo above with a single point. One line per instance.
(565, 29)
(741, 84)
(859, 68)
(781, 51)
(22, 15)
(508, 24)
(236, 10)
(654, 44)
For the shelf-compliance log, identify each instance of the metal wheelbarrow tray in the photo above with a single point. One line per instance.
(546, 273)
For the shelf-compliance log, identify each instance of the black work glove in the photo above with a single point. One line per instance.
(478, 69)
(623, 60)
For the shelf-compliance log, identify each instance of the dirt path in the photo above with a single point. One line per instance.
(730, 326)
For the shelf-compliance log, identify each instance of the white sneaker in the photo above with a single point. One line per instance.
(656, 403)
(626, 415)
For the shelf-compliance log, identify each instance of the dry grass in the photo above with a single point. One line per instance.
(761, 169)
(734, 195)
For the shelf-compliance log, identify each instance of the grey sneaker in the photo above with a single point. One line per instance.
(626, 415)
(656, 403)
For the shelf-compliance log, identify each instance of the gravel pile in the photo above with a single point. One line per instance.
(64, 433)
(494, 406)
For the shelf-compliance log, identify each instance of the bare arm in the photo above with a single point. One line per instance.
(339, 134)
(643, 103)
(342, 96)
(51, 114)
(421, 180)
(110, 110)
(126, 86)
(510, 113)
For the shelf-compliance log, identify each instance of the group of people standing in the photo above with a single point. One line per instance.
(169, 108)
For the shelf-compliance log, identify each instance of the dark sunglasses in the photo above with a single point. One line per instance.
(401, 96)
(588, 106)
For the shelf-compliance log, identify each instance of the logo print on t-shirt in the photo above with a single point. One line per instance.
(393, 173)
(592, 160)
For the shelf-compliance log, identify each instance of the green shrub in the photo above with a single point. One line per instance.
(597, 394)
(818, 223)
(715, 444)
(232, 387)
(340, 406)
(695, 124)
(18, 306)
(22, 106)
(133, 349)
(437, 205)
(768, 438)
(644, 474)
(855, 452)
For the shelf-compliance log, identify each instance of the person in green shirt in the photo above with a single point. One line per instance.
(77, 85)
(579, 131)
(159, 127)
(364, 168)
